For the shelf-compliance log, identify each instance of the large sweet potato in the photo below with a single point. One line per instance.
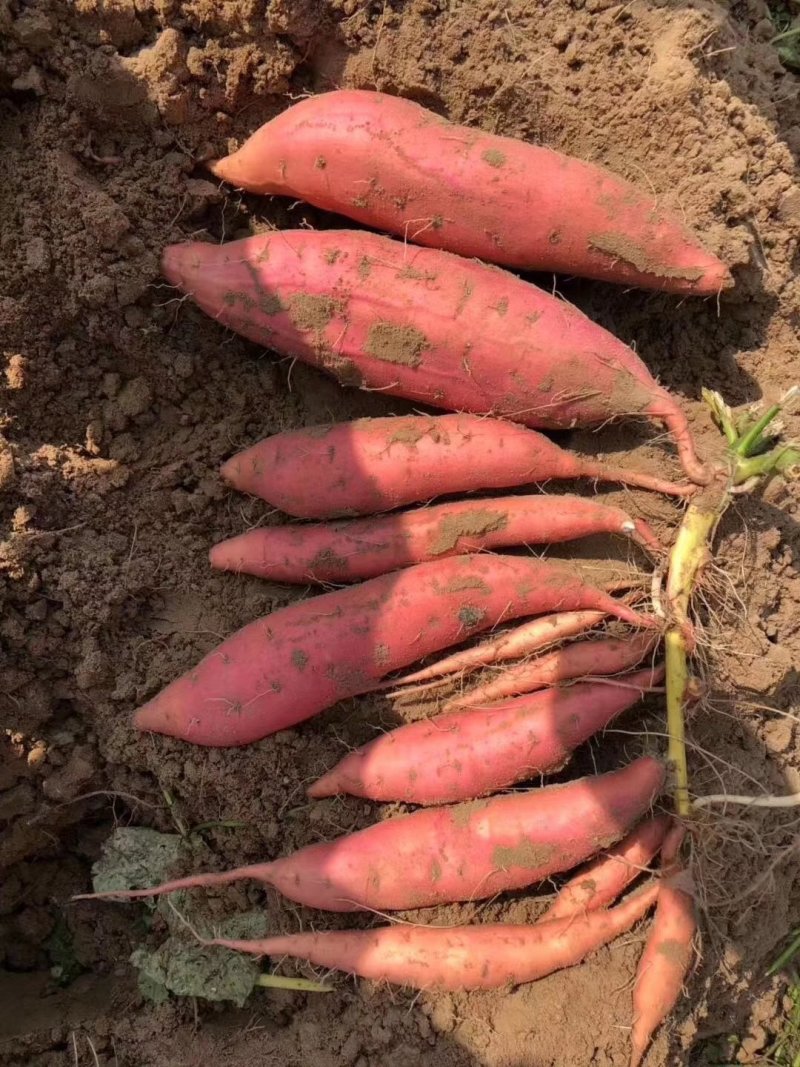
(426, 325)
(395, 166)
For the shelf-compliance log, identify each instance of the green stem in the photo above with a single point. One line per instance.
(303, 985)
(794, 32)
(748, 441)
(692, 549)
(786, 956)
(779, 459)
(689, 553)
(677, 681)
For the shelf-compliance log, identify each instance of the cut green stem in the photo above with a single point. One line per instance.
(787, 956)
(786, 35)
(302, 985)
(749, 441)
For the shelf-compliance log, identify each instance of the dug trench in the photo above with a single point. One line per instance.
(121, 403)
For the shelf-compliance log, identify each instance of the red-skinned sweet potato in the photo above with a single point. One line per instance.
(425, 325)
(602, 880)
(519, 642)
(373, 465)
(464, 852)
(363, 548)
(396, 166)
(668, 952)
(465, 754)
(486, 956)
(286, 667)
(581, 659)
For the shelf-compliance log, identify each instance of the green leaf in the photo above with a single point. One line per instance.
(149, 987)
(135, 857)
(187, 968)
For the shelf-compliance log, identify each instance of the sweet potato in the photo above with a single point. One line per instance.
(467, 754)
(465, 852)
(425, 325)
(286, 667)
(374, 465)
(515, 643)
(395, 166)
(668, 952)
(363, 548)
(460, 957)
(582, 659)
(602, 880)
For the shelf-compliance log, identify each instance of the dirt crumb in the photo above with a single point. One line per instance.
(475, 523)
(626, 249)
(393, 343)
(310, 312)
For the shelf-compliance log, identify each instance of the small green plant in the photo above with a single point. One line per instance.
(785, 1052)
(785, 15)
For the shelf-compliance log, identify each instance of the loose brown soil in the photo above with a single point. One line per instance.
(120, 402)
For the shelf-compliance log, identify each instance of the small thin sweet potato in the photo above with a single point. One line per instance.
(464, 852)
(286, 667)
(535, 635)
(363, 548)
(581, 659)
(426, 325)
(393, 165)
(487, 956)
(668, 953)
(467, 754)
(373, 465)
(602, 880)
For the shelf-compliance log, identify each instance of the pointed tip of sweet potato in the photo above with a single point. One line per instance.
(323, 787)
(234, 170)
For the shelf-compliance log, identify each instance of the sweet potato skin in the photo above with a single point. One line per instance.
(602, 880)
(281, 669)
(467, 754)
(462, 852)
(425, 325)
(372, 465)
(363, 548)
(581, 659)
(487, 956)
(668, 952)
(471, 851)
(395, 166)
(535, 635)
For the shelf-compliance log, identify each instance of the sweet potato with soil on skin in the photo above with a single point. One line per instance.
(425, 325)
(487, 956)
(602, 880)
(467, 754)
(532, 636)
(464, 852)
(373, 465)
(668, 952)
(395, 166)
(287, 666)
(353, 550)
(582, 659)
